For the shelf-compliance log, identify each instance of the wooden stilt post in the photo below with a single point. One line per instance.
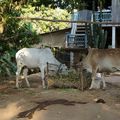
(113, 37)
(46, 76)
(81, 77)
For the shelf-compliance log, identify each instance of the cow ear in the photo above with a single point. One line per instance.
(89, 48)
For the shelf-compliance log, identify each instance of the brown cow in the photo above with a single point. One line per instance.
(101, 61)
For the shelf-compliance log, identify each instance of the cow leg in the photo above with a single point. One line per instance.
(43, 76)
(93, 81)
(17, 76)
(25, 73)
(93, 78)
(103, 80)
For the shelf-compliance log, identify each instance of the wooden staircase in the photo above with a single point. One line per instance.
(80, 36)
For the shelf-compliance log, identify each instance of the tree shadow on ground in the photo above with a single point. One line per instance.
(41, 106)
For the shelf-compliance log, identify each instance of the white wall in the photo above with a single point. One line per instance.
(116, 10)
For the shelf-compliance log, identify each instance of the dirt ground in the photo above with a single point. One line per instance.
(36, 103)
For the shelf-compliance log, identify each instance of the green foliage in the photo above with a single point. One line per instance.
(69, 5)
(7, 63)
(99, 36)
(48, 13)
(14, 36)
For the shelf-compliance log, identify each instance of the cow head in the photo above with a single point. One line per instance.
(86, 61)
(63, 69)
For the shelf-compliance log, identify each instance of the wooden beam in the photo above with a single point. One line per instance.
(67, 21)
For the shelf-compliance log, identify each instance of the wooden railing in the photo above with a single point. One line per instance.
(104, 16)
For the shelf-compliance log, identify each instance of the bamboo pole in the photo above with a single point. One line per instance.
(67, 21)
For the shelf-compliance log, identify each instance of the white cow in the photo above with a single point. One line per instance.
(36, 58)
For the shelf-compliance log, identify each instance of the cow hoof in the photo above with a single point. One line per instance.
(90, 88)
(28, 86)
(16, 87)
(44, 87)
(103, 88)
